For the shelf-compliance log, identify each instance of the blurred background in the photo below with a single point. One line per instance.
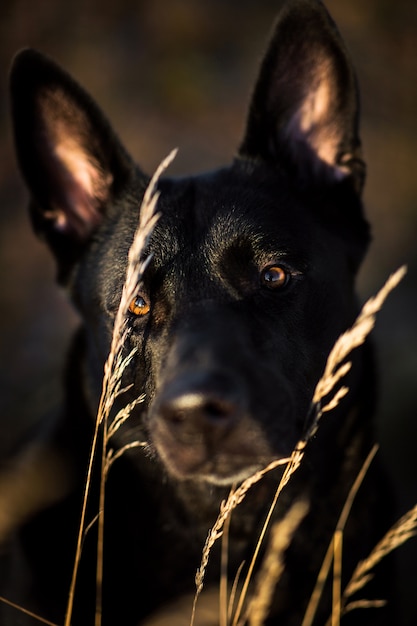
(179, 73)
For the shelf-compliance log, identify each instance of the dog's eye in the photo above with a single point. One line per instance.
(275, 277)
(139, 306)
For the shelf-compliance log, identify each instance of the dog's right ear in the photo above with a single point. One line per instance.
(72, 162)
(305, 110)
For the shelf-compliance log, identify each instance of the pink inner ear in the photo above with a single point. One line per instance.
(80, 189)
(316, 122)
(79, 184)
(75, 161)
(85, 187)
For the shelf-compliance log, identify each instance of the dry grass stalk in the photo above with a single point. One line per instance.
(364, 604)
(273, 566)
(113, 372)
(112, 456)
(327, 561)
(337, 577)
(402, 531)
(223, 588)
(116, 364)
(293, 463)
(226, 507)
(122, 416)
(39, 619)
(335, 369)
(236, 496)
(233, 592)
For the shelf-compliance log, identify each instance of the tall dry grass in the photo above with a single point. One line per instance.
(114, 367)
(273, 565)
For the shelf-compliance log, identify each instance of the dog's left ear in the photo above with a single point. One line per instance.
(72, 161)
(304, 110)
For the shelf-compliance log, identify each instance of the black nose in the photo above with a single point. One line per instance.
(200, 403)
(197, 406)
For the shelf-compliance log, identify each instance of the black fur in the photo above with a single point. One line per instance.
(227, 360)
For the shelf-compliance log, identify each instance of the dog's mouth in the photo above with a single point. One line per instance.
(221, 468)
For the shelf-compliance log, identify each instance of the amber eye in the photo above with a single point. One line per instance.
(139, 306)
(275, 277)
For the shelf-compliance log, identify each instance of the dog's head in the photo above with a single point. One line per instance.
(253, 265)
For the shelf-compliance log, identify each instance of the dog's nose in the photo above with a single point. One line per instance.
(197, 404)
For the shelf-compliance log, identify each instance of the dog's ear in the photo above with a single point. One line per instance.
(304, 110)
(71, 160)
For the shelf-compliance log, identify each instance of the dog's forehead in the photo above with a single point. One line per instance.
(228, 206)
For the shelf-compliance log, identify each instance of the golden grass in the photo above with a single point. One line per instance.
(327, 561)
(19, 608)
(236, 496)
(112, 382)
(335, 368)
(273, 565)
(402, 531)
(293, 463)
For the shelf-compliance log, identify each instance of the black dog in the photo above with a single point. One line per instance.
(251, 281)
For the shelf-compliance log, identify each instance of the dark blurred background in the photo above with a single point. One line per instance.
(179, 73)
